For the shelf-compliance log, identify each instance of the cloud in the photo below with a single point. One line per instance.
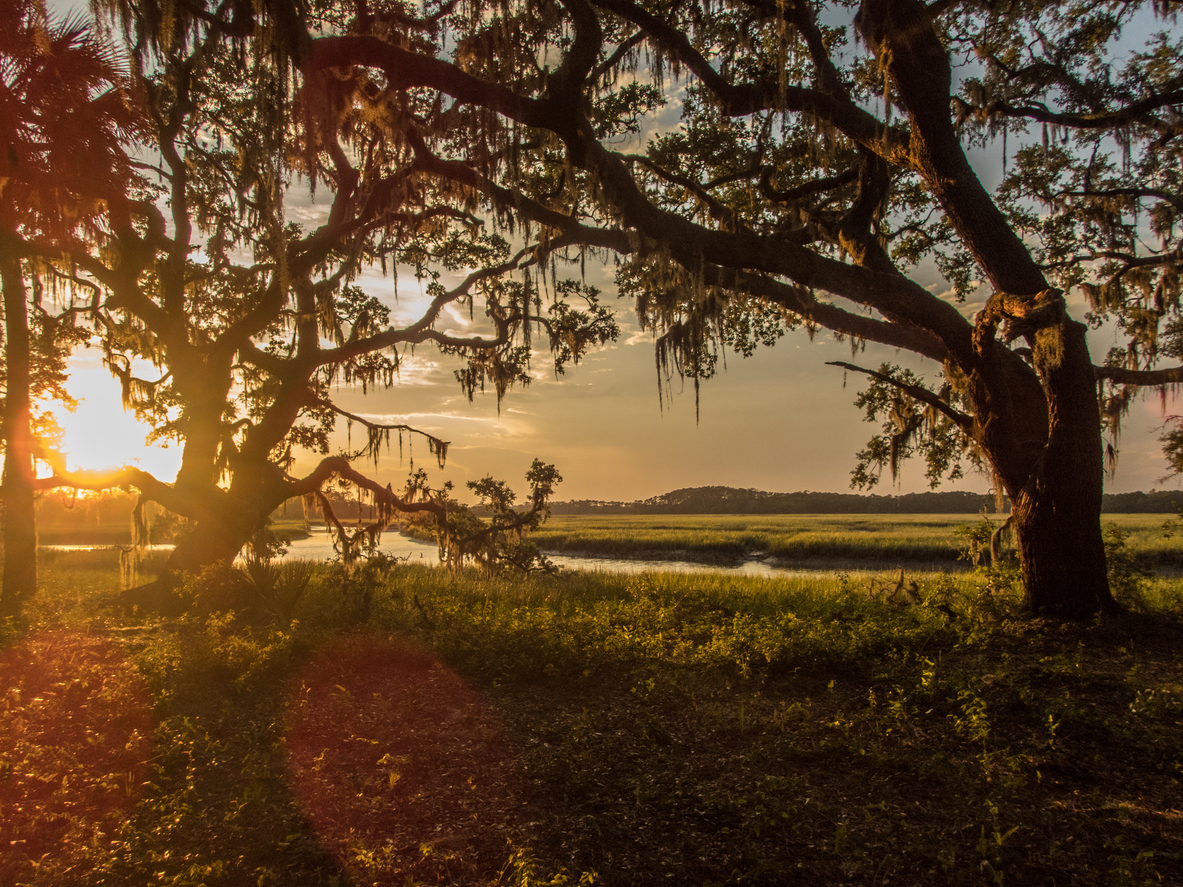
(414, 369)
(308, 217)
(460, 428)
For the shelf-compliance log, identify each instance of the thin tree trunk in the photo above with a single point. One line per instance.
(20, 534)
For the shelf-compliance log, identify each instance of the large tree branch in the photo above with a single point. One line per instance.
(1135, 112)
(808, 189)
(1125, 376)
(581, 58)
(184, 501)
(891, 294)
(801, 301)
(339, 466)
(724, 256)
(404, 68)
(902, 35)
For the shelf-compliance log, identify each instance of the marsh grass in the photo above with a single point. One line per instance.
(662, 728)
(875, 539)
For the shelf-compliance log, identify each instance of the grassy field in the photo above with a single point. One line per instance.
(409, 727)
(797, 538)
(855, 541)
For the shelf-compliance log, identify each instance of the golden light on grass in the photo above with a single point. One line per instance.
(75, 738)
(399, 766)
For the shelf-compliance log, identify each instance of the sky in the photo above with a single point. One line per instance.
(780, 420)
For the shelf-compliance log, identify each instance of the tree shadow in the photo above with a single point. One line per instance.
(399, 765)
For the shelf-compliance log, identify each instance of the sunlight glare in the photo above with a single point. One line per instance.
(100, 434)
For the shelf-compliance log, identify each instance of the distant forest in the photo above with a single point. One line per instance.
(729, 500)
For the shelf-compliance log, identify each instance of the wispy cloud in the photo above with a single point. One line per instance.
(459, 427)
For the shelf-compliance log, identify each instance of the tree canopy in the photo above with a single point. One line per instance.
(230, 326)
(822, 164)
(822, 159)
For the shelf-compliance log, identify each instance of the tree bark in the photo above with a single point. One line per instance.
(1056, 502)
(20, 533)
(228, 521)
(1061, 552)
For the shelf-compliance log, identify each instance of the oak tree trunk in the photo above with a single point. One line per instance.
(1057, 508)
(230, 520)
(210, 544)
(1061, 552)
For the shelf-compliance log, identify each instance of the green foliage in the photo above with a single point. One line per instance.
(523, 872)
(780, 727)
(974, 540)
(278, 586)
(354, 586)
(996, 580)
(241, 653)
(911, 427)
(1127, 577)
(688, 621)
(499, 543)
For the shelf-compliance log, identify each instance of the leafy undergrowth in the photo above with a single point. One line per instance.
(415, 728)
(400, 767)
(75, 732)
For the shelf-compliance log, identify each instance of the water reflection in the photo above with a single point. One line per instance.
(318, 546)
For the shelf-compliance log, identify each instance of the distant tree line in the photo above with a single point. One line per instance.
(59, 511)
(729, 500)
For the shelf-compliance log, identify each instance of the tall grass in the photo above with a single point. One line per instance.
(879, 539)
(653, 729)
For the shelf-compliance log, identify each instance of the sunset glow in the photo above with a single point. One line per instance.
(101, 434)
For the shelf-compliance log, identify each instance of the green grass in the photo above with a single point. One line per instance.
(416, 727)
(92, 534)
(880, 539)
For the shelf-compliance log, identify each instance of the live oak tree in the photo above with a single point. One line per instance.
(64, 122)
(821, 166)
(231, 328)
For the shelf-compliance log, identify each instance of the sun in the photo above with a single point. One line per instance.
(100, 434)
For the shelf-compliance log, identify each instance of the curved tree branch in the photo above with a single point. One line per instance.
(917, 392)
